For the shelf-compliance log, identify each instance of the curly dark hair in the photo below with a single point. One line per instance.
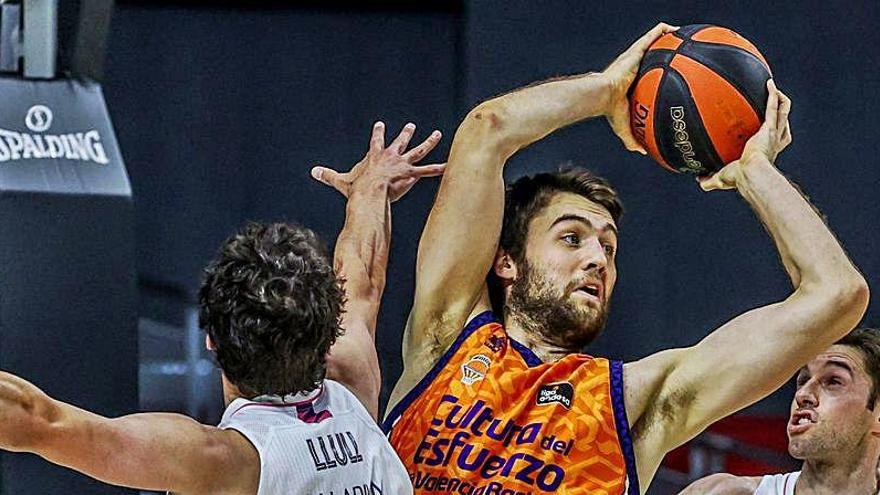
(528, 195)
(271, 304)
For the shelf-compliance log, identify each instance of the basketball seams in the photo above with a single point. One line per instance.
(687, 32)
(660, 148)
(650, 136)
(699, 137)
(728, 37)
(726, 45)
(715, 116)
(658, 58)
(681, 134)
(757, 106)
(666, 42)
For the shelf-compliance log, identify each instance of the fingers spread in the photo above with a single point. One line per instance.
(327, 176)
(317, 172)
(405, 184)
(423, 149)
(377, 139)
(402, 140)
(429, 170)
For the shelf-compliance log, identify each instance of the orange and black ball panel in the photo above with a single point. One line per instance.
(699, 95)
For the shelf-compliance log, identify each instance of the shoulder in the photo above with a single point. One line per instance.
(420, 362)
(723, 484)
(432, 331)
(229, 459)
(342, 402)
(338, 392)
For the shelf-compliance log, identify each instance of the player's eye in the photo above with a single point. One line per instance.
(835, 381)
(609, 249)
(572, 239)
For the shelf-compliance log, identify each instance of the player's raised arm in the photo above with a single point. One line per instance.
(148, 451)
(755, 353)
(361, 255)
(461, 235)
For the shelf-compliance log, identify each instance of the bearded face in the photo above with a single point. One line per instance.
(558, 287)
(555, 311)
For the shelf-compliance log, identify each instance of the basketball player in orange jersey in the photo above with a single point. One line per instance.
(272, 307)
(505, 403)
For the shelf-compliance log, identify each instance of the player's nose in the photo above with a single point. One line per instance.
(806, 396)
(593, 255)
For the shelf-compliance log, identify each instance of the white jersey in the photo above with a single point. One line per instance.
(322, 443)
(778, 484)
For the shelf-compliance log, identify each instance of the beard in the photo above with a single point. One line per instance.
(825, 442)
(540, 308)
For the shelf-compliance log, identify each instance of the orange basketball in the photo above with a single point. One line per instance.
(700, 94)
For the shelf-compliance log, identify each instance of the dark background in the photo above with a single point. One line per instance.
(221, 110)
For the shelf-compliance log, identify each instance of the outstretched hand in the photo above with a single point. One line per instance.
(392, 166)
(620, 76)
(772, 137)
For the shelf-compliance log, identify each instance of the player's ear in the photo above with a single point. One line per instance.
(875, 426)
(209, 344)
(504, 267)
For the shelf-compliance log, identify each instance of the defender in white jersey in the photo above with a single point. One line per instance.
(336, 445)
(272, 307)
(834, 427)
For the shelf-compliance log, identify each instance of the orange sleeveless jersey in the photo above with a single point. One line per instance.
(491, 419)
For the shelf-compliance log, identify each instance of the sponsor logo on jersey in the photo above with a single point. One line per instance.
(480, 445)
(496, 343)
(555, 393)
(475, 369)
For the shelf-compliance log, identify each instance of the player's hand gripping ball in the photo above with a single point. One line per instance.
(699, 95)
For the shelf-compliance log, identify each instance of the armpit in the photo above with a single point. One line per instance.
(665, 411)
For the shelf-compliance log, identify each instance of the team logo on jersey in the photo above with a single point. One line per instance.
(560, 393)
(475, 369)
(496, 343)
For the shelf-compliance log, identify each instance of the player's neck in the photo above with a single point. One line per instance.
(520, 330)
(230, 391)
(855, 477)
